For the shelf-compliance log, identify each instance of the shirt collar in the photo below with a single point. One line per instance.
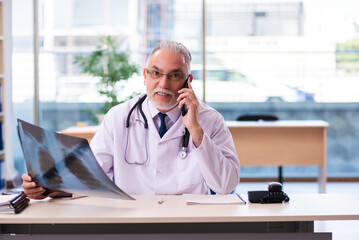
(173, 114)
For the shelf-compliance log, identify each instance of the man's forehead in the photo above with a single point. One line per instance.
(165, 58)
(171, 70)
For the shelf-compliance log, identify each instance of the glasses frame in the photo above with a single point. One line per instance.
(160, 75)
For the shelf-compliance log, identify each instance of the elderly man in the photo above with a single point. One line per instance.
(165, 142)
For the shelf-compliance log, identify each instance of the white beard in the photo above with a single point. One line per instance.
(163, 106)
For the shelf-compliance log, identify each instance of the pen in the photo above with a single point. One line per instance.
(160, 201)
(241, 198)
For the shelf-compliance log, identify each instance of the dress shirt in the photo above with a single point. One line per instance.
(172, 116)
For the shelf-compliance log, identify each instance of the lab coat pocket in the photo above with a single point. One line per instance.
(189, 173)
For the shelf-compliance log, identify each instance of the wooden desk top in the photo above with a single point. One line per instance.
(145, 209)
(84, 130)
(294, 123)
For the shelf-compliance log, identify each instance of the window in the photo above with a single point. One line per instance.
(273, 55)
(282, 50)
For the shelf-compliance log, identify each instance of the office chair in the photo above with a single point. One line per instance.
(257, 117)
(263, 117)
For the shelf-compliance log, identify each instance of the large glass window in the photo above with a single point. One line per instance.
(282, 50)
(288, 57)
(72, 27)
(22, 70)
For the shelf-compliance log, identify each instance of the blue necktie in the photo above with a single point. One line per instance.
(163, 128)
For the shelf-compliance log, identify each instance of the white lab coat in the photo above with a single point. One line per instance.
(213, 165)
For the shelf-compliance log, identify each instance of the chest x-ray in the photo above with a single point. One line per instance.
(64, 163)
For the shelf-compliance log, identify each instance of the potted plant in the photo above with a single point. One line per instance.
(112, 67)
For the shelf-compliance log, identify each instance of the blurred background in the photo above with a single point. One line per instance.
(296, 59)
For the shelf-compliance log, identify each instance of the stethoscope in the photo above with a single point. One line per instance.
(185, 139)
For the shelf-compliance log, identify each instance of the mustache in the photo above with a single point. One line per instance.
(156, 90)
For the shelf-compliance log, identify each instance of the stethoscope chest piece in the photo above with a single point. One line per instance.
(183, 153)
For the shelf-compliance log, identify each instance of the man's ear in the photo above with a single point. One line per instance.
(190, 78)
(144, 76)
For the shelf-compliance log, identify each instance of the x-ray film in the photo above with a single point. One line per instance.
(64, 163)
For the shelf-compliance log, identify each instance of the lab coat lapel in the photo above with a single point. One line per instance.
(176, 131)
(153, 134)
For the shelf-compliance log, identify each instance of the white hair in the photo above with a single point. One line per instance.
(175, 47)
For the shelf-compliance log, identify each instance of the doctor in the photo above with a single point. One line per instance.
(142, 144)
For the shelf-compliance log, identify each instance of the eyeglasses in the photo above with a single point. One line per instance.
(173, 77)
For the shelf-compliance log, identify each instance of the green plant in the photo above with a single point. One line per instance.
(109, 65)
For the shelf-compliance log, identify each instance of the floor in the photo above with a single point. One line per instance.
(342, 230)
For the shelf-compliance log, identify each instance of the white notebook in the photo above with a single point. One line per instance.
(5, 202)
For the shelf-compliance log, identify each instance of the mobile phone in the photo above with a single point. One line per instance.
(184, 107)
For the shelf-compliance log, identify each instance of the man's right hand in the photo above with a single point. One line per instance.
(36, 192)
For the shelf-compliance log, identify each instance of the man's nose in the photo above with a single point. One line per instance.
(164, 82)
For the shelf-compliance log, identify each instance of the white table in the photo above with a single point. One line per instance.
(173, 219)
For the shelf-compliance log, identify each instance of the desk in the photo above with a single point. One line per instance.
(282, 143)
(173, 219)
(83, 132)
(278, 143)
